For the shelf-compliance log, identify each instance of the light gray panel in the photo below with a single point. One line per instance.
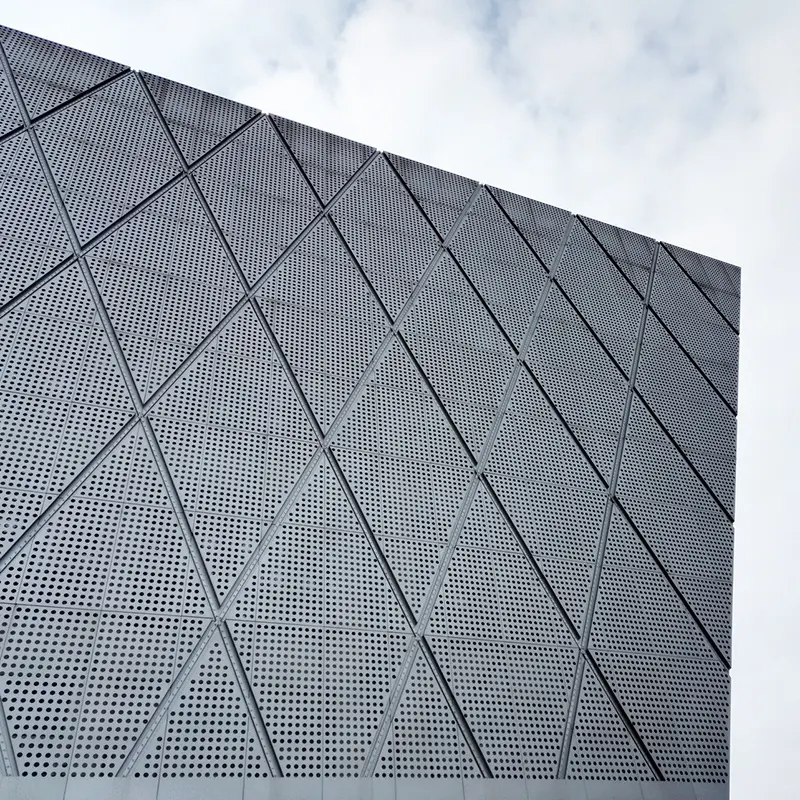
(677, 705)
(166, 283)
(461, 350)
(631, 252)
(329, 161)
(390, 238)
(107, 153)
(258, 196)
(583, 382)
(498, 261)
(601, 747)
(32, 241)
(325, 318)
(198, 120)
(717, 280)
(9, 114)
(689, 409)
(698, 326)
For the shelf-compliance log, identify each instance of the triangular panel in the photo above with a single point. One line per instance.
(606, 301)
(37, 241)
(210, 705)
(442, 195)
(697, 325)
(717, 280)
(602, 749)
(120, 538)
(166, 283)
(55, 645)
(541, 224)
(258, 196)
(134, 654)
(501, 265)
(582, 381)
(692, 412)
(198, 120)
(353, 705)
(236, 440)
(631, 252)
(61, 386)
(328, 160)
(686, 529)
(544, 481)
(679, 708)
(325, 318)
(49, 74)
(461, 350)
(108, 153)
(425, 738)
(390, 238)
(495, 594)
(637, 610)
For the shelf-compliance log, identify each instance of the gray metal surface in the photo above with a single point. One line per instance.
(325, 473)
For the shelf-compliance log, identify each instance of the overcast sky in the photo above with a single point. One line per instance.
(680, 120)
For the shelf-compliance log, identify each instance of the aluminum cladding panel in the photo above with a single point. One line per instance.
(321, 463)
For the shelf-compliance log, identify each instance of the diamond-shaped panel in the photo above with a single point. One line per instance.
(107, 153)
(258, 196)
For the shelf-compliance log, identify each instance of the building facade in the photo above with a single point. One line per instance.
(326, 473)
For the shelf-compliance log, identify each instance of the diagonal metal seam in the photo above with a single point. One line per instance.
(675, 588)
(693, 361)
(366, 527)
(483, 456)
(699, 288)
(438, 579)
(685, 457)
(449, 697)
(250, 700)
(67, 103)
(120, 359)
(612, 259)
(253, 707)
(122, 220)
(556, 258)
(166, 701)
(392, 702)
(601, 545)
(240, 676)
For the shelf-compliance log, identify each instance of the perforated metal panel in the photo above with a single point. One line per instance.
(198, 120)
(327, 160)
(442, 195)
(49, 74)
(406, 489)
(542, 225)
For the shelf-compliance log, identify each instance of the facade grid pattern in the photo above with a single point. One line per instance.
(318, 462)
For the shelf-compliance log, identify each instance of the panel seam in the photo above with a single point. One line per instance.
(601, 545)
(702, 291)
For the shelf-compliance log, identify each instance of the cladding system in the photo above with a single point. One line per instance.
(317, 461)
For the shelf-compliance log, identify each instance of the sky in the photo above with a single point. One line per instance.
(680, 120)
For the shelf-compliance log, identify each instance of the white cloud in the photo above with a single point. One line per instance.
(678, 119)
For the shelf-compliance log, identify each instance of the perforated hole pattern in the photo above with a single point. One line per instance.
(120, 545)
